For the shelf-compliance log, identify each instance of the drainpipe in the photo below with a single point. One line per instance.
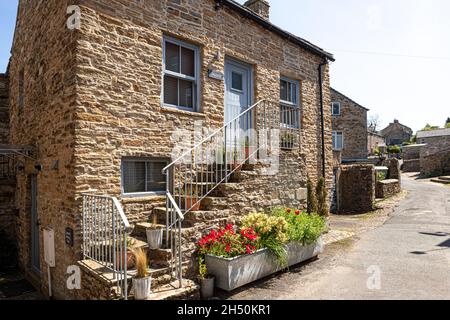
(322, 114)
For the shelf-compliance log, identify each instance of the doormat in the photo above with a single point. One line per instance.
(15, 288)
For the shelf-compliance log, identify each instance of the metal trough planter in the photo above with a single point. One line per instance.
(234, 273)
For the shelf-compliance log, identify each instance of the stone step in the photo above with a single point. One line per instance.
(214, 203)
(445, 178)
(441, 181)
(172, 291)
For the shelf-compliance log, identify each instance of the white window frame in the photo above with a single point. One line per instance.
(196, 79)
(291, 104)
(122, 176)
(335, 135)
(332, 109)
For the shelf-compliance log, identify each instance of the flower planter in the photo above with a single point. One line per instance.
(154, 238)
(233, 273)
(207, 288)
(142, 288)
(191, 203)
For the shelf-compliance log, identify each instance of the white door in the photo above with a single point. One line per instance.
(238, 97)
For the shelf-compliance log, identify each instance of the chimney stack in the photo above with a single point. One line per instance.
(260, 7)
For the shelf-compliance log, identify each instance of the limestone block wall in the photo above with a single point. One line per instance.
(44, 52)
(119, 110)
(356, 189)
(352, 122)
(435, 157)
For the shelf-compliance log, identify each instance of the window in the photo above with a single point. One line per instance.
(237, 81)
(181, 76)
(336, 108)
(289, 103)
(338, 141)
(21, 90)
(141, 176)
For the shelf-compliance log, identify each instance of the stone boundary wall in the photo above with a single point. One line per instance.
(387, 188)
(394, 169)
(435, 157)
(356, 189)
(411, 158)
(4, 109)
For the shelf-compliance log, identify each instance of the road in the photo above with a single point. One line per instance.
(408, 257)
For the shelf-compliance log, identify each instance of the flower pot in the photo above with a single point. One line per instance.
(155, 238)
(127, 258)
(192, 203)
(234, 273)
(142, 288)
(207, 287)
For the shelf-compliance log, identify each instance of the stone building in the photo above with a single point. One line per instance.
(374, 140)
(100, 95)
(435, 152)
(396, 133)
(349, 127)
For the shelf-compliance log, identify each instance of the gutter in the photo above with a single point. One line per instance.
(322, 114)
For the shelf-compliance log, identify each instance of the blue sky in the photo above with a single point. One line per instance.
(392, 56)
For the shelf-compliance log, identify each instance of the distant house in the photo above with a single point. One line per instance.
(349, 127)
(434, 136)
(374, 140)
(396, 133)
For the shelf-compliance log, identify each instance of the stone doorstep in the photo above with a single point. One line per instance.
(106, 276)
(171, 291)
(389, 181)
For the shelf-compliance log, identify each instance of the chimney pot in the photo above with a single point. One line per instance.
(260, 7)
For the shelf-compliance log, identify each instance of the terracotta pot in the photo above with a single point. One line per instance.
(129, 258)
(193, 203)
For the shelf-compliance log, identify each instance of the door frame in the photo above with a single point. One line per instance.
(250, 87)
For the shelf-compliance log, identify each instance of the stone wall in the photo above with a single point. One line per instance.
(92, 97)
(435, 157)
(387, 188)
(411, 158)
(352, 122)
(44, 51)
(4, 109)
(356, 189)
(394, 168)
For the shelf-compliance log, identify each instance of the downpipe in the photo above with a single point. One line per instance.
(322, 114)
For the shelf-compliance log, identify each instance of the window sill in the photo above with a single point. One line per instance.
(168, 109)
(144, 197)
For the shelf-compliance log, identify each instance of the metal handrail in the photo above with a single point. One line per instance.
(209, 137)
(200, 170)
(105, 236)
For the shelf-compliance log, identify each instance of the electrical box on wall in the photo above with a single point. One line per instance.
(49, 247)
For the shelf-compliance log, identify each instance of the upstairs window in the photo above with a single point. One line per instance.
(143, 176)
(289, 103)
(181, 75)
(338, 141)
(336, 108)
(21, 99)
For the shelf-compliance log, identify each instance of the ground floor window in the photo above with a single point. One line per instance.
(338, 141)
(143, 176)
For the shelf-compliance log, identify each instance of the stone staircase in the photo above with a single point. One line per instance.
(442, 180)
(214, 213)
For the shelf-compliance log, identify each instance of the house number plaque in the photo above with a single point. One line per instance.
(214, 74)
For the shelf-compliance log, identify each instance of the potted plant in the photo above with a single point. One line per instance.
(190, 197)
(122, 257)
(287, 141)
(206, 280)
(154, 237)
(142, 282)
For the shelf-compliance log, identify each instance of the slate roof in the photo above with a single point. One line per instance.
(433, 133)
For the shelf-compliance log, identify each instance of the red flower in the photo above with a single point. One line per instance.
(228, 248)
(288, 210)
(297, 212)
